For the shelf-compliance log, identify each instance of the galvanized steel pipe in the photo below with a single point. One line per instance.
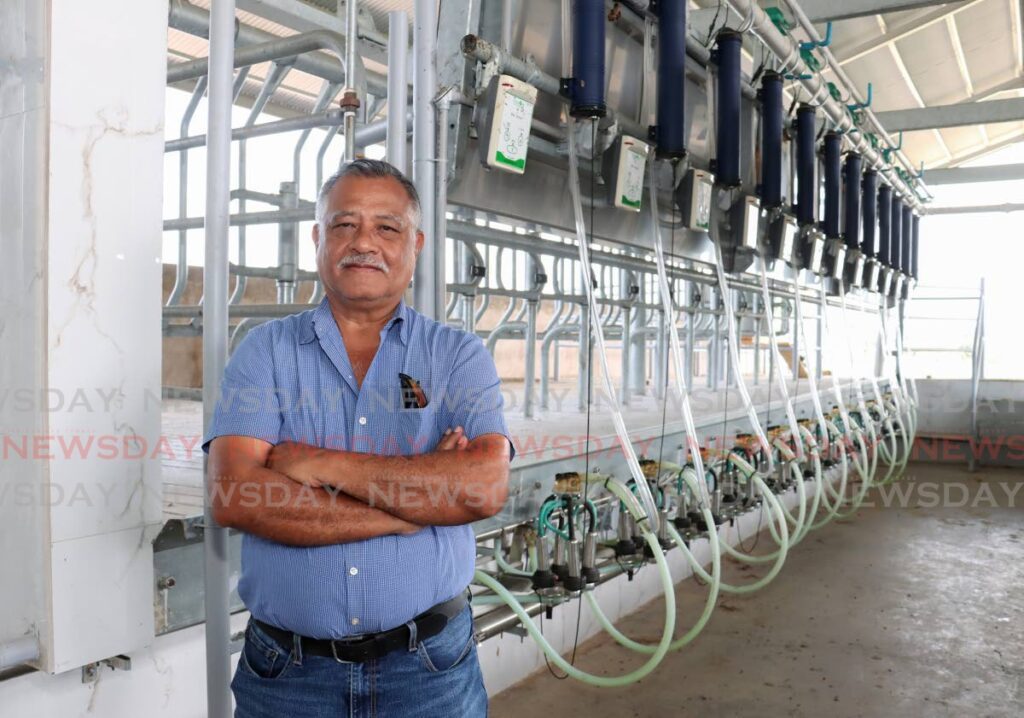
(424, 155)
(215, 345)
(398, 61)
(19, 651)
(477, 48)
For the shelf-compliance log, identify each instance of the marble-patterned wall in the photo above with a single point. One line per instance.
(106, 95)
(81, 321)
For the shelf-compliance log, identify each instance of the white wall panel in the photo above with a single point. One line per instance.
(23, 119)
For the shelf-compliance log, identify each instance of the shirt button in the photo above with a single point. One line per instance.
(362, 421)
(355, 621)
(353, 571)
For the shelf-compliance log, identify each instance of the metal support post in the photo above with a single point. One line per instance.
(215, 344)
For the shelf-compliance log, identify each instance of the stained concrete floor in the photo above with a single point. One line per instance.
(915, 607)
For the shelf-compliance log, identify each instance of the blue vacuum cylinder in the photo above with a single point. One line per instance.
(832, 171)
(915, 245)
(896, 236)
(587, 94)
(851, 200)
(908, 233)
(727, 138)
(869, 211)
(671, 131)
(884, 223)
(806, 164)
(771, 139)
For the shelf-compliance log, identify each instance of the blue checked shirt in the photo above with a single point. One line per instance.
(290, 380)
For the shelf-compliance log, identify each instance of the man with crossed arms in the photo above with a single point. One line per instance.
(353, 445)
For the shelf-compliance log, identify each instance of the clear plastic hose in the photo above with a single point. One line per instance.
(682, 391)
(734, 353)
(858, 386)
(595, 323)
(897, 389)
(823, 426)
(836, 390)
(709, 602)
(783, 531)
(626, 497)
(773, 342)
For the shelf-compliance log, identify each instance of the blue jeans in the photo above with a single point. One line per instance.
(438, 677)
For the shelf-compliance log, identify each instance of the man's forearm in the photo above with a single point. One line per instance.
(273, 506)
(440, 488)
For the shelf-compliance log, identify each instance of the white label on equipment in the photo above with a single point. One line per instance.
(703, 213)
(514, 132)
(634, 159)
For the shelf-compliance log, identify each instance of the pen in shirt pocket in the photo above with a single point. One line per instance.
(413, 396)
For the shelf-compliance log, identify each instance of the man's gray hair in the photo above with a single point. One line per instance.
(372, 169)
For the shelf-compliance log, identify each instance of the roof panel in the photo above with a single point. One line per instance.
(986, 33)
(962, 139)
(1003, 130)
(922, 146)
(929, 58)
(851, 33)
(908, 16)
(923, 67)
(890, 90)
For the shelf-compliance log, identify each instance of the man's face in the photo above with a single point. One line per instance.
(366, 250)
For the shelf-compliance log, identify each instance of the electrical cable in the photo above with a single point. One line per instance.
(590, 392)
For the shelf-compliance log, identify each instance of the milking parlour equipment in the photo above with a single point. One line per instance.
(710, 200)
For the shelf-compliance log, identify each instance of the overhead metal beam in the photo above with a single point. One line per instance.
(824, 10)
(295, 14)
(966, 175)
(978, 209)
(306, 18)
(899, 31)
(960, 115)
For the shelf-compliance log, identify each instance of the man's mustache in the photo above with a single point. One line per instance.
(365, 260)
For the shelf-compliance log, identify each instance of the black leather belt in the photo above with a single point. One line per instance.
(371, 645)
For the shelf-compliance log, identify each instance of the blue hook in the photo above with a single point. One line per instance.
(824, 43)
(862, 105)
(887, 152)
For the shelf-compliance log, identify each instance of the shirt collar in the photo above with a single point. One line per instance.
(401, 318)
(322, 315)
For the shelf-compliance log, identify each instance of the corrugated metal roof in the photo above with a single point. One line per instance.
(938, 55)
(299, 90)
(297, 93)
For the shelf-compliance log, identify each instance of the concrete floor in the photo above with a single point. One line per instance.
(912, 608)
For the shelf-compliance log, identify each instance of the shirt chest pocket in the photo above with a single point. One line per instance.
(410, 431)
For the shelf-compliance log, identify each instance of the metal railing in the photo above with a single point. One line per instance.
(977, 370)
(975, 351)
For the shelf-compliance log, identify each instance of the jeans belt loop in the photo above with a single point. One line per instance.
(297, 648)
(413, 639)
